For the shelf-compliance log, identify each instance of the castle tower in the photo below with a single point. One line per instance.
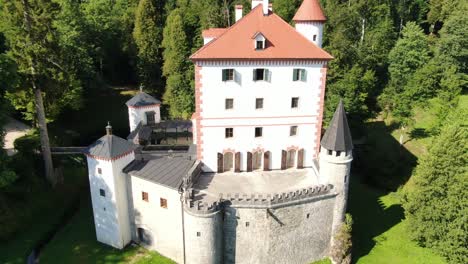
(143, 108)
(335, 161)
(309, 21)
(106, 159)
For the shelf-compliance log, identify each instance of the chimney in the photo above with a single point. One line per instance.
(255, 3)
(265, 7)
(238, 12)
(108, 129)
(270, 7)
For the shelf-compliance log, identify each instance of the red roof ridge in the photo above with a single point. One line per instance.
(310, 10)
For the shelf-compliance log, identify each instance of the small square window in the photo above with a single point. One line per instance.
(293, 131)
(102, 192)
(99, 171)
(330, 152)
(308, 215)
(229, 103)
(259, 103)
(144, 196)
(163, 202)
(228, 75)
(247, 224)
(198, 234)
(315, 38)
(229, 132)
(258, 131)
(259, 74)
(295, 102)
(338, 153)
(260, 45)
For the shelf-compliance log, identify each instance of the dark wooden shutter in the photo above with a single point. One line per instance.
(267, 75)
(220, 163)
(225, 73)
(237, 163)
(254, 74)
(249, 161)
(283, 159)
(300, 159)
(304, 75)
(295, 74)
(266, 161)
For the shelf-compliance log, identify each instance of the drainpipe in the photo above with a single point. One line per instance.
(181, 192)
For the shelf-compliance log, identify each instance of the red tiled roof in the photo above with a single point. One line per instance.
(213, 32)
(310, 10)
(283, 41)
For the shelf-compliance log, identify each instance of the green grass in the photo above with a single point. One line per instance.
(76, 243)
(37, 209)
(323, 261)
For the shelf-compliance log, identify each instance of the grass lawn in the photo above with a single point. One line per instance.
(76, 243)
(38, 209)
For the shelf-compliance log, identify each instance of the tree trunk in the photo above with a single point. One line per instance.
(363, 30)
(40, 112)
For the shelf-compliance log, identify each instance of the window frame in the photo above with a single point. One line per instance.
(257, 100)
(299, 75)
(294, 102)
(229, 132)
(293, 131)
(102, 192)
(228, 75)
(150, 117)
(261, 46)
(163, 202)
(258, 132)
(145, 196)
(231, 100)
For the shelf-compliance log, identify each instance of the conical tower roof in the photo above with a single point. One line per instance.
(310, 10)
(338, 136)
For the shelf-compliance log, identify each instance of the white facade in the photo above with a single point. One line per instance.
(164, 224)
(109, 198)
(139, 114)
(276, 117)
(313, 31)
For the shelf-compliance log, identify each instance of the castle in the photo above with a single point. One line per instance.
(248, 180)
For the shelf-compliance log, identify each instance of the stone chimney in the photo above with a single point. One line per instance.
(238, 12)
(108, 129)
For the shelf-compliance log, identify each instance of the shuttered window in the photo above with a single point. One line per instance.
(299, 75)
(228, 75)
(261, 75)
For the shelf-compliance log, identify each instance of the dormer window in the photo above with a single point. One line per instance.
(260, 41)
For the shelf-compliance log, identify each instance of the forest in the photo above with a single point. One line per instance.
(392, 60)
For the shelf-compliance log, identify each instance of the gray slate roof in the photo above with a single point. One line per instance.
(141, 132)
(142, 99)
(338, 136)
(163, 170)
(109, 147)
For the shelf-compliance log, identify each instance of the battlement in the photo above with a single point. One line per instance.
(200, 207)
(272, 200)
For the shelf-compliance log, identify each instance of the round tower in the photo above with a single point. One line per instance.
(310, 20)
(335, 161)
(144, 109)
(107, 158)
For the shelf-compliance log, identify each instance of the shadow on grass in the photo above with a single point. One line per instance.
(370, 216)
(381, 165)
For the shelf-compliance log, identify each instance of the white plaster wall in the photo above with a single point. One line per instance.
(110, 212)
(309, 29)
(336, 171)
(137, 114)
(164, 224)
(276, 117)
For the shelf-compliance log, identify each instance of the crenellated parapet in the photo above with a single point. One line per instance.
(200, 207)
(276, 199)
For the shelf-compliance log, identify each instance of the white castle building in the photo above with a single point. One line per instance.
(249, 180)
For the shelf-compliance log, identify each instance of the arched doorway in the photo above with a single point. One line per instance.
(291, 158)
(228, 161)
(257, 160)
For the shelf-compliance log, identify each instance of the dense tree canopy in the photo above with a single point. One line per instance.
(437, 200)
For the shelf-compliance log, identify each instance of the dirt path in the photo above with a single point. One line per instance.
(13, 130)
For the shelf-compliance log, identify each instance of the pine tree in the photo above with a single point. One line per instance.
(179, 93)
(149, 20)
(436, 199)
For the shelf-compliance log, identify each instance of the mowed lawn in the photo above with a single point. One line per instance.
(76, 243)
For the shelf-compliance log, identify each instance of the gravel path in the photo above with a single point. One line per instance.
(13, 130)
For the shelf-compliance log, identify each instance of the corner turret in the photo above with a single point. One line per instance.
(106, 159)
(335, 161)
(309, 21)
(144, 109)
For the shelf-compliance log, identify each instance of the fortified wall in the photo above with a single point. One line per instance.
(292, 227)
